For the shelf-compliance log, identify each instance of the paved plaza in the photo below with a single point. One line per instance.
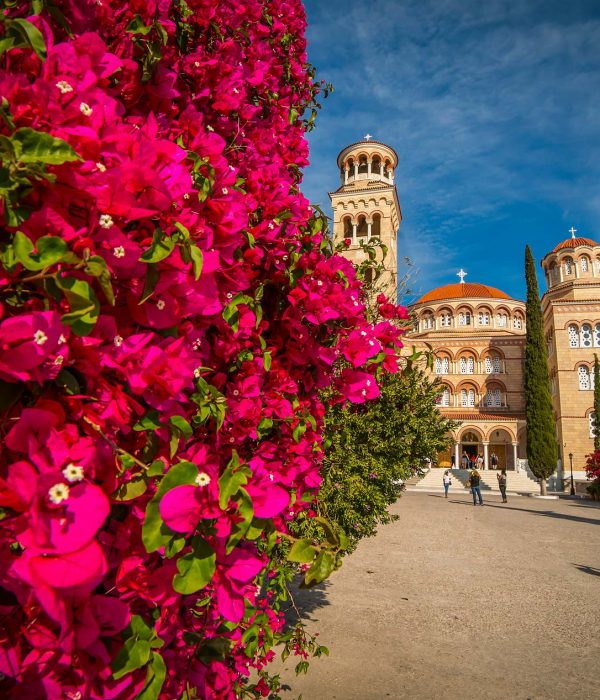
(455, 601)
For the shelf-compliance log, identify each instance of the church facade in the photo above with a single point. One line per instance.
(477, 332)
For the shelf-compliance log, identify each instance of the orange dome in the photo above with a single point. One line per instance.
(463, 290)
(574, 242)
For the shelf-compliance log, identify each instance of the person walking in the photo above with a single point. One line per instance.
(447, 479)
(475, 483)
(465, 460)
(494, 460)
(501, 476)
(480, 461)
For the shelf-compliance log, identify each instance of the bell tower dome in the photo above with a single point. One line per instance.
(366, 205)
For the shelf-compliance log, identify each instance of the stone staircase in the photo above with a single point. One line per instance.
(517, 482)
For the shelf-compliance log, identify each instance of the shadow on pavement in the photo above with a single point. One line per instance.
(547, 513)
(587, 569)
(305, 601)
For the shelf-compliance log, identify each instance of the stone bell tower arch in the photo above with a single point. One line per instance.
(366, 205)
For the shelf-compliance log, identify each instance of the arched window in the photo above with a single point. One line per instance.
(467, 365)
(386, 168)
(445, 319)
(464, 318)
(427, 322)
(592, 424)
(363, 166)
(443, 398)
(597, 335)
(501, 320)
(493, 398)
(585, 263)
(351, 167)
(442, 365)
(573, 336)
(568, 266)
(585, 336)
(376, 226)
(361, 229)
(584, 378)
(518, 322)
(483, 318)
(347, 227)
(376, 165)
(493, 364)
(467, 398)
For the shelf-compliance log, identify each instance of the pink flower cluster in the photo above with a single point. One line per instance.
(160, 372)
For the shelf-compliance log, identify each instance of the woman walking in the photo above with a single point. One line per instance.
(475, 483)
(447, 481)
(502, 484)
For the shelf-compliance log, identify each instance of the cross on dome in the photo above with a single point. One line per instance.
(368, 137)
(462, 274)
(572, 231)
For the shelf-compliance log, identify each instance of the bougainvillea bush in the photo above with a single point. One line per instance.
(170, 311)
(592, 469)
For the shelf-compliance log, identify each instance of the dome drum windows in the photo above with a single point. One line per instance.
(584, 337)
(568, 263)
(517, 322)
(573, 331)
(427, 322)
(464, 318)
(502, 320)
(584, 263)
(483, 318)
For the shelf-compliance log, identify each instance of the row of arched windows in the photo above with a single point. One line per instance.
(468, 364)
(584, 336)
(465, 317)
(570, 267)
(365, 165)
(362, 227)
(469, 398)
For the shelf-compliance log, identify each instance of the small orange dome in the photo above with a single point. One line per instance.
(573, 243)
(463, 290)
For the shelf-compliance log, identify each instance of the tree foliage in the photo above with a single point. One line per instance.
(541, 433)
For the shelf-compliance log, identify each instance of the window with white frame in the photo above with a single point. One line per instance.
(592, 424)
(467, 365)
(597, 264)
(493, 398)
(464, 318)
(493, 364)
(584, 378)
(573, 336)
(585, 336)
(501, 319)
(584, 262)
(597, 335)
(517, 322)
(442, 365)
(568, 266)
(483, 318)
(427, 321)
(444, 397)
(467, 398)
(445, 319)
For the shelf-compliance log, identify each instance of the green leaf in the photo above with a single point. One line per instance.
(196, 569)
(50, 250)
(151, 421)
(157, 468)
(330, 534)
(197, 260)
(323, 565)
(19, 34)
(267, 360)
(302, 551)
(150, 283)
(231, 480)
(68, 381)
(42, 147)
(96, 267)
(240, 529)
(131, 489)
(155, 534)
(155, 678)
(182, 426)
(83, 303)
(134, 654)
(162, 246)
(137, 26)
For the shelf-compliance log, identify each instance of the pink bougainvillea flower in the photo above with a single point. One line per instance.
(358, 387)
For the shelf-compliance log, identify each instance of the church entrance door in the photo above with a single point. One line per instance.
(471, 446)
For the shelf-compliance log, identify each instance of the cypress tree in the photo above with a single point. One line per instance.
(541, 433)
(596, 402)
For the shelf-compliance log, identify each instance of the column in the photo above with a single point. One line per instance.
(354, 226)
(381, 169)
(391, 176)
(456, 455)
(369, 163)
(515, 458)
(355, 170)
(485, 455)
(369, 224)
(346, 171)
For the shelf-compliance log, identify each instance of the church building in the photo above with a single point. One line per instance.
(477, 332)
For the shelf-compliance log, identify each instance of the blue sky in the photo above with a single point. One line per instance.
(494, 110)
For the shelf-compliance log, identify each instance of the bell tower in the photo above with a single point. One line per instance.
(366, 205)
